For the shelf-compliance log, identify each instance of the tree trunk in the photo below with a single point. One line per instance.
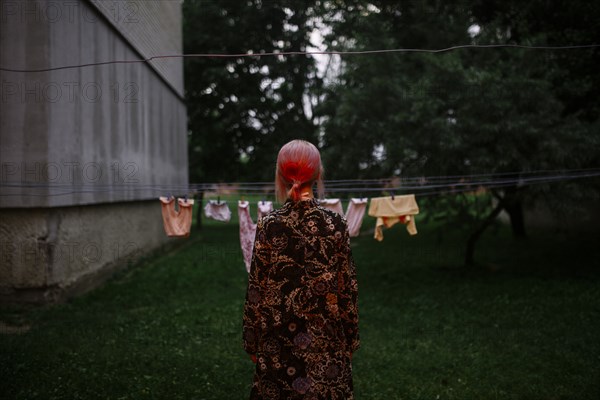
(200, 209)
(514, 208)
(517, 222)
(469, 257)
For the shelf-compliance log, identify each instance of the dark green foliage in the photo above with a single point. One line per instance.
(241, 110)
(468, 111)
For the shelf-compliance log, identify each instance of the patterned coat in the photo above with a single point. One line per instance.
(300, 314)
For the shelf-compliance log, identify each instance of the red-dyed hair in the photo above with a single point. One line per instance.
(298, 164)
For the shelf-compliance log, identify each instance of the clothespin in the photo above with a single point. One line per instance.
(218, 199)
(392, 194)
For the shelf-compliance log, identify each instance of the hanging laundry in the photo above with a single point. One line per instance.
(354, 215)
(264, 207)
(217, 210)
(390, 211)
(176, 223)
(332, 204)
(247, 232)
(354, 212)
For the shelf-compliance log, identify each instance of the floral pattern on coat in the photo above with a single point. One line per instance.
(300, 313)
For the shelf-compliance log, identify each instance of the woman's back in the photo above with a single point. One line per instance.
(300, 316)
(307, 259)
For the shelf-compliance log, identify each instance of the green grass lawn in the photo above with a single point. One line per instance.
(526, 325)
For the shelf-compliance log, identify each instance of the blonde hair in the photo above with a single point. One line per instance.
(298, 164)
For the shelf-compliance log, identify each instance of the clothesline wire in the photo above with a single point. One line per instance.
(260, 185)
(251, 53)
(398, 189)
(333, 182)
(193, 188)
(419, 194)
(439, 192)
(433, 184)
(446, 177)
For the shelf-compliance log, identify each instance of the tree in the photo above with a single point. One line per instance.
(466, 111)
(241, 110)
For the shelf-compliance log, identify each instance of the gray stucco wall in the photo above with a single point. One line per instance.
(152, 28)
(85, 135)
(82, 150)
(48, 254)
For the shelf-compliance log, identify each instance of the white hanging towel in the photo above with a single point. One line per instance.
(217, 210)
(332, 204)
(264, 207)
(354, 215)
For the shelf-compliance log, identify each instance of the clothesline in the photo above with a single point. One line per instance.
(518, 174)
(251, 53)
(423, 188)
(388, 211)
(465, 176)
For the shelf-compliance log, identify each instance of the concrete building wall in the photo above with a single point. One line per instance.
(85, 135)
(83, 149)
(152, 28)
(48, 254)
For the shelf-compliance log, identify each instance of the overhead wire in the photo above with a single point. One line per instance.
(251, 53)
(439, 184)
(351, 186)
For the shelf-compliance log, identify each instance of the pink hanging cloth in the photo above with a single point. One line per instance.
(247, 232)
(176, 223)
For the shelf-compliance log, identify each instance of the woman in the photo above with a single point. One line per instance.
(300, 314)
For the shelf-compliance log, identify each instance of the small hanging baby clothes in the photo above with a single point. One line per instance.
(389, 211)
(264, 207)
(354, 215)
(332, 204)
(217, 210)
(247, 232)
(176, 223)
